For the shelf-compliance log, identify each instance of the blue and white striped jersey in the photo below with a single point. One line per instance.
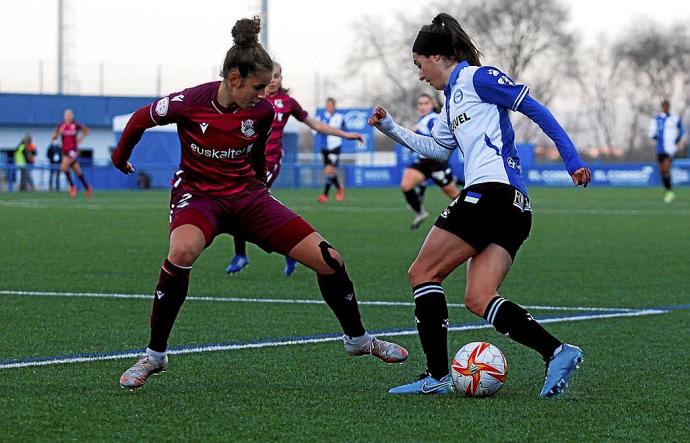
(425, 123)
(475, 120)
(667, 130)
(423, 127)
(330, 142)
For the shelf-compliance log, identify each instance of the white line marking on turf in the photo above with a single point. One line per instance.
(234, 347)
(48, 204)
(288, 301)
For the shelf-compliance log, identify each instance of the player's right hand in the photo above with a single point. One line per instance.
(378, 115)
(127, 168)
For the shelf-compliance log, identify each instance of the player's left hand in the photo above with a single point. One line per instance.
(582, 176)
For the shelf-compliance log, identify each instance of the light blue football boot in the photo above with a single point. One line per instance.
(237, 263)
(425, 384)
(560, 368)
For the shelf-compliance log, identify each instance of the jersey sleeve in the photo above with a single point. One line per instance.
(497, 88)
(168, 109)
(539, 114)
(441, 133)
(297, 111)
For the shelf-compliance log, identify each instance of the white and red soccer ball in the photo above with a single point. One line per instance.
(479, 369)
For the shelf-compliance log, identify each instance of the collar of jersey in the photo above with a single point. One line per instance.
(454, 77)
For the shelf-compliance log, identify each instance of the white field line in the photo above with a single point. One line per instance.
(38, 204)
(287, 301)
(234, 347)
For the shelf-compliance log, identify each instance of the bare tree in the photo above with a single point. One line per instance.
(528, 40)
(655, 61)
(596, 71)
(384, 48)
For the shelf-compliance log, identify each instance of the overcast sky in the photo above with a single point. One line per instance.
(189, 39)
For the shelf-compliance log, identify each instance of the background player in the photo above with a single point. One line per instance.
(285, 106)
(486, 225)
(330, 149)
(223, 128)
(667, 129)
(422, 169)
(71, 133)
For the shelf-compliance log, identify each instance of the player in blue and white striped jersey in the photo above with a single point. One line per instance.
(421, 168)
(486, 225)
(667, 129)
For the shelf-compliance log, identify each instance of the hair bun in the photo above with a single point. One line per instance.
(440, 19)
(246, 31)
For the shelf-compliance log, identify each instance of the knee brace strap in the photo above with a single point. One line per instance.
(330, 261)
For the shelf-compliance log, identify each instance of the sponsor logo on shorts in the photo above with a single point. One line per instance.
(521, 202)
(223, 153)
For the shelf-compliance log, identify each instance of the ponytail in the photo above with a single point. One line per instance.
(246, 55)
(444, 36)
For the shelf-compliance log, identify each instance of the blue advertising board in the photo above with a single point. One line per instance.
(355, 121)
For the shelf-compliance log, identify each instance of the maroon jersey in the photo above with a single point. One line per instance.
(284, 106)
(68, 132)
(223, 149)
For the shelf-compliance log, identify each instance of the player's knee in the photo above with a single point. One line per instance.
(406, 187)
(418, 274)
(183, 255)
(476, 300)
(332, 260)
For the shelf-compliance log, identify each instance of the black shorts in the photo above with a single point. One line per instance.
(440, 173)
(331, 157)
(663, 156)
(488, 213)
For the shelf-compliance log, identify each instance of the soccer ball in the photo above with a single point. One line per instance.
(479, 369)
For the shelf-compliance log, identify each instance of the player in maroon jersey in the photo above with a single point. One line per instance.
(71, 134)
(284, 106)
(223, 128)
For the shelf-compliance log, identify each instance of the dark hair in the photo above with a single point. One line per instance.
(433, 100)
(282, 89)
(330, 99)
(463, 46)
(246, 55)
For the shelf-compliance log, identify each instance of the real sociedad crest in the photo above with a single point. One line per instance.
(162, 106)
(248, 128)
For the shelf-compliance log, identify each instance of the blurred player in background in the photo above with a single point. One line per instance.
(285, 106)
(486, 225)
(54, 155)
(421, 169)
(72, 133)
(223, 128)
(667, 129)
(331, 146)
